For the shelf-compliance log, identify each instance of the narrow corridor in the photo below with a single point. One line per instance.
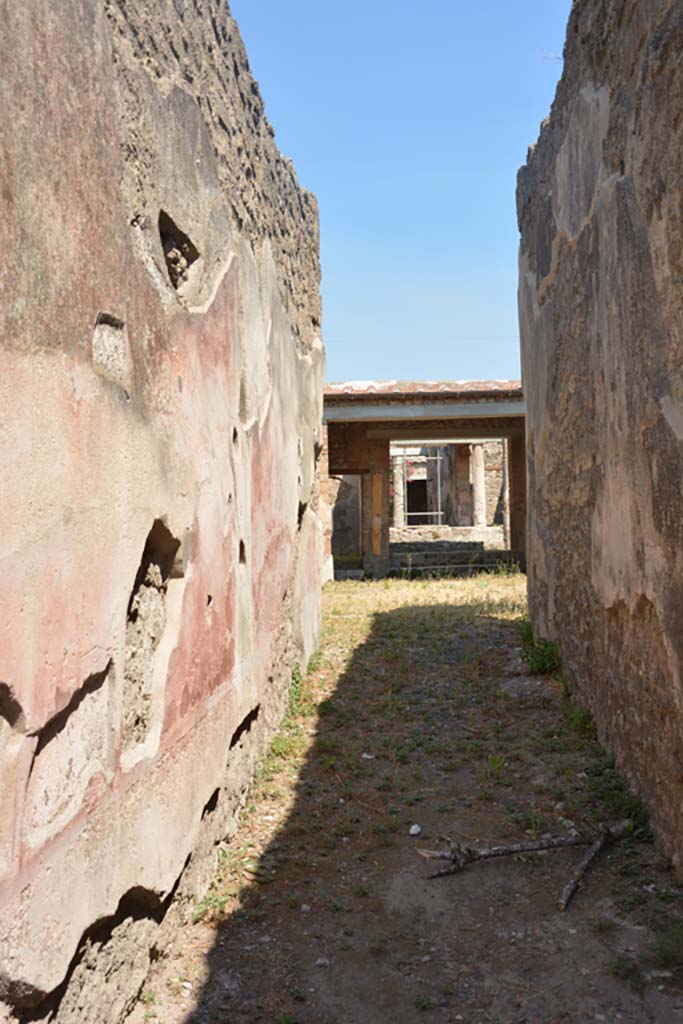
(419, 715)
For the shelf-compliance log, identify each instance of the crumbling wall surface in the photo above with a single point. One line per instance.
(160, 385)
(601, 267)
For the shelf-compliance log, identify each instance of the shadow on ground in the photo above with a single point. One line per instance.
(419, 712)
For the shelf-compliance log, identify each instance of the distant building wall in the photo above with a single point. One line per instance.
(455, 483)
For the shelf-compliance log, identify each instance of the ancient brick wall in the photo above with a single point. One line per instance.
(352, 451)
(601, 314)
(161, 372)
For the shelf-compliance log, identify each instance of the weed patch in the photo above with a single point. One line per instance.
(629, 971)
(611, 791)
(667, 948)
(542, 656)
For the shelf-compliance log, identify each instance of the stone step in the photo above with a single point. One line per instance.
(439, 545)
(427, 558)
(426, 571)
(349, 574)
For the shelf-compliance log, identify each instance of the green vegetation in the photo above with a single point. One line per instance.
(630, 972)
(667, 949)
(579, 718)
(423, 1003)
(608, 788)
(542, 656)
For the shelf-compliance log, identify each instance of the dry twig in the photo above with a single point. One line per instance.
(460, 855)
(610, 835)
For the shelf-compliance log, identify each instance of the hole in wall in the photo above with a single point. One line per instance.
(209, 600)
(243, 553)
(147, 618)
(160, 550)
(235, 435)
(111, 350)
(303, 505)
(109, 321)
(75, 745)
(57, 724)
(245, 726)
(10, 708)
(180, 252)
(211, 804)
(136, 905)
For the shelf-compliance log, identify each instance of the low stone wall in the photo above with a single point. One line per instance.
(161, 373)
(601, 316)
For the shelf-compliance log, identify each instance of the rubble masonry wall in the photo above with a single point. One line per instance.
(601, 266)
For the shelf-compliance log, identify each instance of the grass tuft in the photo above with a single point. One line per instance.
(667, 948)
(630, 972)
(542, 656)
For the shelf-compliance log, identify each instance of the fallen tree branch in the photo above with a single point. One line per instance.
(581, 868)
(610, 835)
(460, 855)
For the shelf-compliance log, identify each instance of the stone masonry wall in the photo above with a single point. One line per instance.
(601, 314)
(161, 380)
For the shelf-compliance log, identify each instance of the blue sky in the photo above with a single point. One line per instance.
(409, 123)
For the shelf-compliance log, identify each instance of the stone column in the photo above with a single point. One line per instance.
(375, 510)
(397, 474)
(462, 485)
(517, 480)
(478, 485)
(506, 495)
(325, 511)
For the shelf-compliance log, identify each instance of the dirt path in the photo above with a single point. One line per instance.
(419, 711)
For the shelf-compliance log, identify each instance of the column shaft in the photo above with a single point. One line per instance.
(478, 485)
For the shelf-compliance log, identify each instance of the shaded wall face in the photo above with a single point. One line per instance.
(161, 369)
(601, 321)
(459, 487)
(352, 451)
(345, 496)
